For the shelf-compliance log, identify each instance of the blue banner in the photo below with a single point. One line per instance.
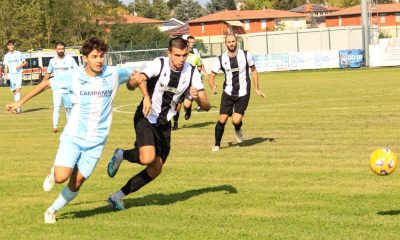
(351, 58)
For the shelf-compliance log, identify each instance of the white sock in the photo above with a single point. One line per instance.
(65, 197)
(118, 195)
(67, 113)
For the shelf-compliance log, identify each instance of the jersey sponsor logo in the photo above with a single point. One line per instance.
(99, 94)
(166, 88)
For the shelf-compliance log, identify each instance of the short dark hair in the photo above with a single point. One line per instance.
(93, 44)
(60, 43)
(10, 41)
(190, 37)
(230, 34)
(177, 42)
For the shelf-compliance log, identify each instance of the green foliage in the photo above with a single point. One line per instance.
(156, 9)
(188, 10)
(256, 4)
(137, 36)
(220, 5)
(172, 4)
(287, 4)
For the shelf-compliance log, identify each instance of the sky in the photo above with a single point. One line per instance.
(202, 2)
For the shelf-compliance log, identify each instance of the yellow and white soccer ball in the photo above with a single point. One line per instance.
(383, 161)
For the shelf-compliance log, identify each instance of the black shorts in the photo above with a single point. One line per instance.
(232, 104)
(148, 134)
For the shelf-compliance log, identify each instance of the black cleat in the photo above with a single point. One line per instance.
(188, 113)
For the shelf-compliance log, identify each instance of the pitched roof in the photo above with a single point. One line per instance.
(246, 15)
(356, 10)
(136, 19)
(313, 8)
(178, 31)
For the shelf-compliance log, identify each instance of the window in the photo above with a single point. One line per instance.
(263, 23)
(46, 61)
(278, 23)
(202, 28)
(247, 25)
(32, 63)
(340, 21)
(397, 17)
(382, 17)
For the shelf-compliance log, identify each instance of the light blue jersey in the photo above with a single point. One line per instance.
(87, 129)
(91, 98)
(12, 60)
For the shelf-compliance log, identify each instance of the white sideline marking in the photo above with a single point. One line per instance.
(263, 107)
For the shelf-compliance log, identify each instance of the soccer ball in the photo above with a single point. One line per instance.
(383, 161)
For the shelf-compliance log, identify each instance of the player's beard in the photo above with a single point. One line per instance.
(232, 50)
(61, 54)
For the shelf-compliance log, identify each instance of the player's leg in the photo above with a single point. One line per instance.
(66, 98)
(15, 86)
(224, 112)
(239, 110)
(187, 105)
(57, 100)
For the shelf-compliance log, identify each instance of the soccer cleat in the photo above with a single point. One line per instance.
(49, 182)
(174, 128)
(115, 162)
(239, 136)
(18, 111)
(54, 130)
(215, 149)
(117, 205)
(188, 113)
(49, 217)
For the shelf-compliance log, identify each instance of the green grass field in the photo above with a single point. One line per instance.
(302, 172)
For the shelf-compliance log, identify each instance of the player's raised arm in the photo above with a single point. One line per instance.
(43, 85)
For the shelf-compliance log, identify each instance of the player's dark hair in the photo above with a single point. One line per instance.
(178, 43)
(93, 44)
(10, 42)
(230, 34)
(59, 43)
(190, 37)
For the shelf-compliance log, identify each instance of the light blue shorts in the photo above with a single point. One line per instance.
(61, 96)
(71, 155)
(15, 81)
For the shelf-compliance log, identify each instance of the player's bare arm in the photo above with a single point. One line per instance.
(146, 97)
(211, 82)
(201, 97)
(23, 64)
(254, 74)
(135, 80)
(43, 85)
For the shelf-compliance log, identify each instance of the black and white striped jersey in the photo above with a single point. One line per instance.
(166, 87)
(237, 73)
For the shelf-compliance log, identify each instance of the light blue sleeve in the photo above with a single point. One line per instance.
(22, 58)
(74, 64)
(62, 80)
(124, 74)
(50, 68)
(5, 60)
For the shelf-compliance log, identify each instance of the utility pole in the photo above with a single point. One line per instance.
(365, 29)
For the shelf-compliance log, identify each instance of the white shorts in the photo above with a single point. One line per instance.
(15, 81)
(71, 155)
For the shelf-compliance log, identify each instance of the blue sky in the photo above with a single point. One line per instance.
(202, 2)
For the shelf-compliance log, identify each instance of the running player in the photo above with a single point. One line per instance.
(235, 64)
(82, 141)
(167, 79)
(57, 65)
(14, 61)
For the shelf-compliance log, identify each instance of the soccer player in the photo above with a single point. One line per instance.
(194, 59)
(163, 83)
(93, 89)
(14, 61)
(235, 63)
(57, 65)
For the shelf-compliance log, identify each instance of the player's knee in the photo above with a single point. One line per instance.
(60, 178)
(154, 170)
(147, 158)
(237, 122)
(222, 121)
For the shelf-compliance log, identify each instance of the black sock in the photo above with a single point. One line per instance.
(238, 127)
(219, 131)
(136, 182)
(176, 118)
(132, 155)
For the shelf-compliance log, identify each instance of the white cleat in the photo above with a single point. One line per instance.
(49, 217)
(239, 136)
(215, 149)
(49, 182)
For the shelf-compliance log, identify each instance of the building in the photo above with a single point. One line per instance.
(245, 22)
(316, 13)
(382, 15)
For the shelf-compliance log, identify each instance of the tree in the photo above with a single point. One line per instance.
(172, 4)
(256, 4)
(160, 9)
(287, 4)
(188, 10)
(142, 8)
(219, 5)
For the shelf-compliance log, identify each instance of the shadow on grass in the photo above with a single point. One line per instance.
(33, 110)
(250, 142)
(390, 212)
(199, 125)
(153, 199)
